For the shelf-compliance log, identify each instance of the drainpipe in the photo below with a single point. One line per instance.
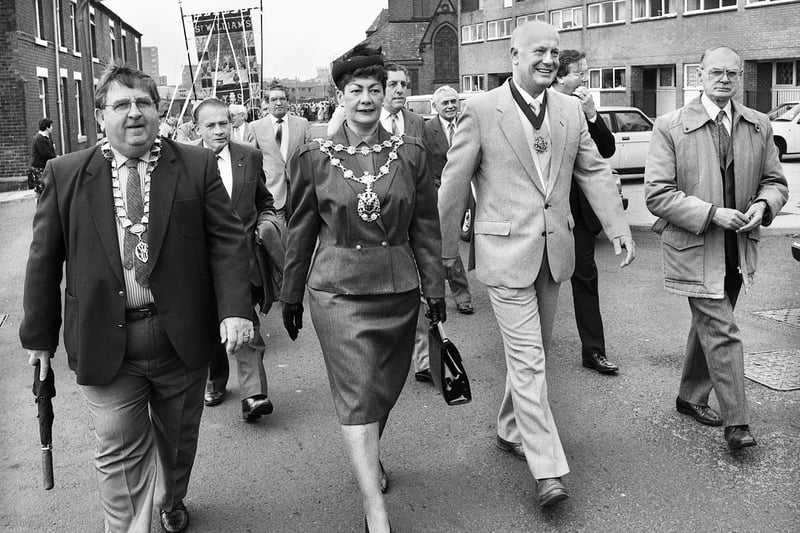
(56, 43)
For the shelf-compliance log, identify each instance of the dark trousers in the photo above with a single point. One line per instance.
(585, 293)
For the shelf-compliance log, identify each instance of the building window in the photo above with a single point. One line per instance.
(784, 73)
(707, 5)
(666, 77)
(563, 19)
(643, 9)
(530, 18)
(38, 6)
(607, 12)
(508, 3)
(607, 78)
(73, 22)
(112, 38)
(79, 108)
(124, 45)
(43, 96)
(62, 32)
(691, 78)
(473, 83)
(92, 36)
(137, 49)
(445, 53)
(471, 5)
(472, 33)
(499, 29)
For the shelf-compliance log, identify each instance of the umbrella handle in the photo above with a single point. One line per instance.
(47, 467)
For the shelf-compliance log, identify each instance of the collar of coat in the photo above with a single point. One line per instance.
(694, 115)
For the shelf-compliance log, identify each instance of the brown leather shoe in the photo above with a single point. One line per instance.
(176, 520)
(550, 491)
(598, 361)
(254, 407)
(511, 447)
(739, 437)
(702, 413)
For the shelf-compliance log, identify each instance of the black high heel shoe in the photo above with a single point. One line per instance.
(384, 479)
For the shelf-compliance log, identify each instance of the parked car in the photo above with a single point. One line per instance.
(785, 120)
(632, 131)
(421, 104)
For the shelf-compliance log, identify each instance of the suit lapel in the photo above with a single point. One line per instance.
(558, 136)
(162, 192)
(510, 125)
(440, 135)
(237, 170)
(97, 180)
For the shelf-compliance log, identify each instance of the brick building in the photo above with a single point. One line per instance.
(643, 52)
(422, 35)
(51, 58)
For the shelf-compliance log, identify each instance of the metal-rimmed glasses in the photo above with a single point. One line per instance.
(715, 74)
(123, 107)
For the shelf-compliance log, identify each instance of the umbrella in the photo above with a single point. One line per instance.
(44, 392)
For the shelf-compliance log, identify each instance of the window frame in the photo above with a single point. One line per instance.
(599, 74)
(92, 34)
(112, 34)
(649, 14)
(38, 11)
(694, 74)
(42, 85)
(703, 9)
(477, 32)
(598, 6)
(560, 12)
(477, 83)
(73, 22)
(522, 19)
(506, 23)
(78, 82)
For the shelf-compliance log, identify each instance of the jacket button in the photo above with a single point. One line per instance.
(384, 244)
(120, 325)
(358, 247)
(121, 293)
(547, 206)
(544, 234)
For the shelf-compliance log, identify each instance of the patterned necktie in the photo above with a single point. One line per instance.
(135, 209)
(724, 139)
(395, 127)
(279, 131)
(451, 129)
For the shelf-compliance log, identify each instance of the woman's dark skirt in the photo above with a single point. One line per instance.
(367, 342)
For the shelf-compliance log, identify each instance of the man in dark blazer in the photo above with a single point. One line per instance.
(573, 70)
(277, 135)
(156, 270)
(395, 118)
(439, 133)
(521, 146)
(240, 169)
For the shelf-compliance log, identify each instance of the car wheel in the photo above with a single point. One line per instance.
(466, 222)
(781, 145)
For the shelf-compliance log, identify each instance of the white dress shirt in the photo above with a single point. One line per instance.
(386, 121)
(225, 169)
(284, 133)
(713, 110)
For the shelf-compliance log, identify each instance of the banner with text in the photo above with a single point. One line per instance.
(226, 56)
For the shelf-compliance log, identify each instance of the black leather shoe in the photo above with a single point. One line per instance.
(424, 375)
(384, 479)
(598, 361)
(511, 447)
(176, 520)
(465, 308)
(702, 413)
(214, 397)
(550, 491)
(739, 437)
(254, 407)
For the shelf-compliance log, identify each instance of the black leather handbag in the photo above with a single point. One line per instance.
(447, 370)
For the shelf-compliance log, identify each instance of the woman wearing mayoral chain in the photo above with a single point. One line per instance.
(365, 210)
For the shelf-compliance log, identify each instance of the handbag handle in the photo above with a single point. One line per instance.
(442, 334)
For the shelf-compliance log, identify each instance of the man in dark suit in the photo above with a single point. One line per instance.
(572, 73)
(155, 267)
(438, 138)
(240, 169)
(521, 145)
(277, 134)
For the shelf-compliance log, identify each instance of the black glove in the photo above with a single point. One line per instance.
(292, 318)
(437, 310)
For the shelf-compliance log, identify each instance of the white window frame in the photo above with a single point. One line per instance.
(39, 22)
(598, 10)
(124, 45)
(73, 23)
(473, 83)
(558, 19)
(691, 68)
(137, 50)
(502, 29)
(92, 34)
(599, 85)
(112, 37)
(648, 12)
(42, 84)
(522, 19)
(476, 33)
(704, 9)
(508, 3)
(78, 79)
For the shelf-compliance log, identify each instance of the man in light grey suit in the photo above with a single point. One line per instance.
(520, 145)
(277, 135)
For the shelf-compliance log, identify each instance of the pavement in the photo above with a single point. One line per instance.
(636, 464)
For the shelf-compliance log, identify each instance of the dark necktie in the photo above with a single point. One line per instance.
(279, 131)
(135, 210)
(724, 139)
(451, 129)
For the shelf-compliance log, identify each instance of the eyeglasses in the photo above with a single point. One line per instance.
(123, 107)
(716, 74)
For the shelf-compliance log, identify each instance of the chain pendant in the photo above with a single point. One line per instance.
(141, 251)
(540, 144)
(369, 206)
